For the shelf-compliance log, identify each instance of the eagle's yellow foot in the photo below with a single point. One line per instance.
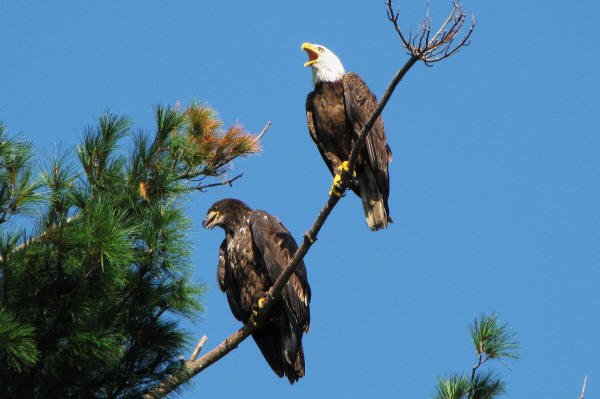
(261, 302)
(336, 187)
(345, 168)
(253, 317)
(260, 305)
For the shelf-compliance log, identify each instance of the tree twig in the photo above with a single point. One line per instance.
(441, 45)
(224, 183)
(583, 388)
(474, 370)
(198, 349)
(262, 133)
(168, 385)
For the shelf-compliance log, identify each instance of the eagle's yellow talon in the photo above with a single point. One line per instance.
(253, 317)
(334, 193)
(261, 302)
(344, 167)
(336, 187)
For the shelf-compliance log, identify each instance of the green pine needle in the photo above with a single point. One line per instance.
(487, 386)
(96, 286)
(492, 338)
(456, 386)
(17, 342)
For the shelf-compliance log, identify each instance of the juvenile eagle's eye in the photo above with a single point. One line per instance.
(321, 50)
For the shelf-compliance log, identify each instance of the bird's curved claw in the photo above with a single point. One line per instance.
(336, 187)
(344, 167)
(260, 304)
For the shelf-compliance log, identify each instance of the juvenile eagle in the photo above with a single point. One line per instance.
(256, 249)
(336, 111)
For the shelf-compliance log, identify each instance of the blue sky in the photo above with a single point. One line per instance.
(494, 182)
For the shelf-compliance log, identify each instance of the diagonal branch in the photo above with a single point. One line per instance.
(230, 343)
(191, 369)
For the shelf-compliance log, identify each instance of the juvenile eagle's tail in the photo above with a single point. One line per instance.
(374, 205)
(280, 342)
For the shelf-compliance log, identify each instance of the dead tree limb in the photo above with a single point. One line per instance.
(262, 133)
(443, 43)
(583, 388)
(223, 183)
(422, 48)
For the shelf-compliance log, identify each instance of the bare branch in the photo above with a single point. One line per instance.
(257, 139)
(420, 52)
(441, 45)
(198, 349)
(188, 371)
(392, 16)
(583, 389)
(224, 183)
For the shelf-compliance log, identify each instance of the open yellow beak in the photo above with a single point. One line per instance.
(312, 52)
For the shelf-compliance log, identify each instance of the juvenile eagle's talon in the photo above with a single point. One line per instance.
(261, 302)
(253, 317)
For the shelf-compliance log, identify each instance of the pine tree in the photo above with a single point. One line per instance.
(86, 294)
(493, 341)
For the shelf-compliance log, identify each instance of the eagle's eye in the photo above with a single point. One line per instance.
(321, 50)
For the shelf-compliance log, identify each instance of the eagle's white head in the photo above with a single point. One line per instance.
(326, 66)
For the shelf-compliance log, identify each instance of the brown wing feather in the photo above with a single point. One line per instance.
(360, 103)
(277, 246)
(221, 268)
(310, 119)
(228, 285)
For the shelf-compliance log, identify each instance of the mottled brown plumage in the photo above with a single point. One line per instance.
(256, 249)
(336, 111)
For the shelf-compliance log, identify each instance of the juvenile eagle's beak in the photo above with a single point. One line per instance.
(210, 219)
(312, 52)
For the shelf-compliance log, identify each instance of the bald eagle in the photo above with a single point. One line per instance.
(256, 249)
(336, 111)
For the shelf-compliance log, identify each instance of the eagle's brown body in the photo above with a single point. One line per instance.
(336, 112)
(256, 249)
